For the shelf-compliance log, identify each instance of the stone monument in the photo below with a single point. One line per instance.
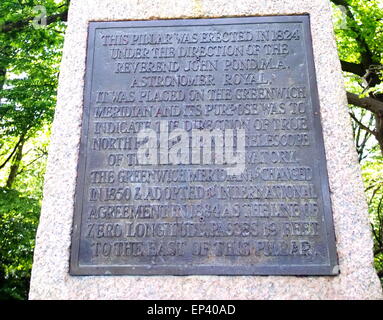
(202, 150)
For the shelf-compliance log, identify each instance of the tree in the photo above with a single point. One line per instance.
(361, 56)
(31, 39)
(359, 37)
(29, 64)
(19, 216)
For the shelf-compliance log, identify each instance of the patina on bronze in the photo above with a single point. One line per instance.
(251, 198)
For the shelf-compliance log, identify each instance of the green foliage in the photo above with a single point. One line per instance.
(359, 33)
(18, 222)
(29, 66)
(373, 180)
(30, 177)
(19, 214)
(31, 58)
(365, 26)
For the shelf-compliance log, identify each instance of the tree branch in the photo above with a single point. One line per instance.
(366, 137)
(367, 103)
(3, 72)
(12, 153)
(24, 167)
(340, 2)
(361, 125)
(21, 24)
(378, 251)
(366, 54)
(355, 68)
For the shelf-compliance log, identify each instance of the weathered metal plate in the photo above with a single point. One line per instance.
(202, 151)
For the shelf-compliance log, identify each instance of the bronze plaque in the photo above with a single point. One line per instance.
(202, 151)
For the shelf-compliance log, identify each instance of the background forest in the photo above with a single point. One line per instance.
(31, 41)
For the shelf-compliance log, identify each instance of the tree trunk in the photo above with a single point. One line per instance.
(2, 77)
(379, 130)
(3, 72)
(15, 163)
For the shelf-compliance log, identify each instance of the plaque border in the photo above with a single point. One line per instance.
(331, 269)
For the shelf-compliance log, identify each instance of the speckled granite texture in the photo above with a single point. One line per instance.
(50, 278)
